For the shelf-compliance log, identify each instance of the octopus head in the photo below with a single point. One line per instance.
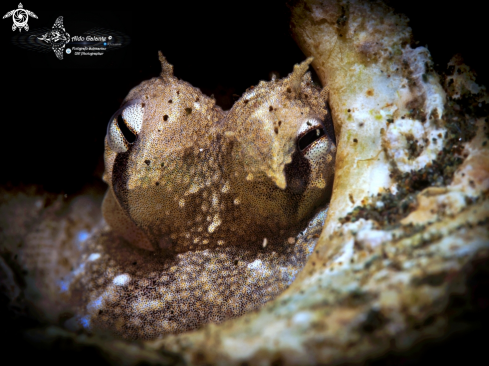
(185, 175)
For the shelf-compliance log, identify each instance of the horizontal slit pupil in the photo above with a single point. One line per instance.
(128, 135)
(310, 137)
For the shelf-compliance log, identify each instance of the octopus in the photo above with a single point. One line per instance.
(212, 213)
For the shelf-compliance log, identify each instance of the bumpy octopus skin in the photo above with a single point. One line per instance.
(211, 213)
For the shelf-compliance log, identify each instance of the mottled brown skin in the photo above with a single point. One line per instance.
(197, 177)
(211, 212)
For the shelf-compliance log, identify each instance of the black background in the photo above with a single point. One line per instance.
(54, 113)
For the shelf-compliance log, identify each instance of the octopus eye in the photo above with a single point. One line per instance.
(311, 131)
(124, 126)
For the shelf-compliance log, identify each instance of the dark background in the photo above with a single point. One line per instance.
(55, 113)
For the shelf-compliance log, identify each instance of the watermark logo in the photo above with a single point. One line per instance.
(57, 38)
(96, 41)
(20, 17)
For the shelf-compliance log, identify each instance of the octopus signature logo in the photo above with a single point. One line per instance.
(57, 38)
(20, 17)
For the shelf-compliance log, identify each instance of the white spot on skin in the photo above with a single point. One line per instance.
(291, 240)
(237, 201)
(93, 257)
(121, 280)
(194, 187)
(216, 221)
(225, 187)
(255, 264)
(216, 177)
(215, 199)
(249, 177)
(144, 305)
(265, 242)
